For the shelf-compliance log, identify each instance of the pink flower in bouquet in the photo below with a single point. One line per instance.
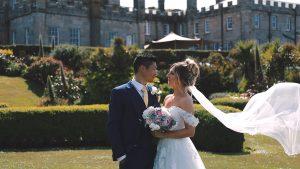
(158, 119)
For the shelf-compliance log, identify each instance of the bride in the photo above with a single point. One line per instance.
(175, 149)
(274, 113)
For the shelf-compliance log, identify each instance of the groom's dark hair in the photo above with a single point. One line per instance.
(145, 59)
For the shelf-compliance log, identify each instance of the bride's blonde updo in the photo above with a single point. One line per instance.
(187, 72)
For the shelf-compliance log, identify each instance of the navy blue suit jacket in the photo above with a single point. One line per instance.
(126, 126)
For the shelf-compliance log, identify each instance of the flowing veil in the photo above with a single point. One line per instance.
(274, 113)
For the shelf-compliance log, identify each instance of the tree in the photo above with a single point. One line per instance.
(244, 54)
(109, 69)
(50, 93)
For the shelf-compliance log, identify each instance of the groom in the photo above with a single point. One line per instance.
(132, 143)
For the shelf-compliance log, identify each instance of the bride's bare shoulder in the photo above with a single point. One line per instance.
(186, 104)
(167, 98)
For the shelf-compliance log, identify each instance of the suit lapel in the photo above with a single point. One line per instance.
(137, 100)
(150, 98)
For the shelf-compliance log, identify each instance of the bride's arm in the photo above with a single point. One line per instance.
(188, 131)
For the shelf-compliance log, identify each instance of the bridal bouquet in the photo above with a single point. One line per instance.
(158, 119)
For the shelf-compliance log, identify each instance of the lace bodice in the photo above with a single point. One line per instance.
(181, 117)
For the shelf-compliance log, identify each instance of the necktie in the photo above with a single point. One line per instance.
(145, 96)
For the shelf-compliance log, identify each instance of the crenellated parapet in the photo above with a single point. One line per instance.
(168, 15)
(118, 13)
(24, 7)
(273, 3)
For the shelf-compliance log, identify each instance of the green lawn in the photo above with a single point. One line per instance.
(266, 154)
(17, 91)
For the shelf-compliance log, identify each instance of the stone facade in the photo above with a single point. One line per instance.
(97, 22)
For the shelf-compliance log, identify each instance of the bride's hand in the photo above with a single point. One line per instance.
(158, 134)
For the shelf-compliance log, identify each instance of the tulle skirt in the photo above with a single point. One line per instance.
(177, 154)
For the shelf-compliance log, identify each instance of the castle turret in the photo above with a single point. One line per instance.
(191, 5)
(114, 2)
(139, 4)
(218, 1)
(161, 5)
(95, 15)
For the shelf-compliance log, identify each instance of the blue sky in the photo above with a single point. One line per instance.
(181, 4)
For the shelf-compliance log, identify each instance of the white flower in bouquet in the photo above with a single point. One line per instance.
(158, 119)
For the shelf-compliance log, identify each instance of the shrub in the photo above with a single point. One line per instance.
(110, 69)
(231, 102)
(34, 127)
(86, 126)
(211, 135)
(26, 49)
(11, 65)
(75, 58)
(218, 72)
(42, 68)
(3, 105)
(166, 57)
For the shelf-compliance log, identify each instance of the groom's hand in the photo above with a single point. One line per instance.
(121, 163)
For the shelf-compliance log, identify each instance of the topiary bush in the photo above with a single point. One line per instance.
(211, 135)
(34, 127)
(58, 126)
(231, 102)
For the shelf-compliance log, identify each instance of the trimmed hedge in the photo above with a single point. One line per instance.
(3, 105)
(86, 126)
(211, 135)
(57, 126)
(231, 102)
(26, 49)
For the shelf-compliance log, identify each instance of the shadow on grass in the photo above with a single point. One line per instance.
(233, 154)
(246, 151)
(35, 87)
(54, 149)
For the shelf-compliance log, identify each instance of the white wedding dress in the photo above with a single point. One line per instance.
(178, 153)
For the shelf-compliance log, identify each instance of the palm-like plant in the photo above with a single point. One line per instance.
(245, 55)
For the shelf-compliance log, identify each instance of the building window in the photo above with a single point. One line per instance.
(229, 23)
(166, 29)
(13, 4)
(129, 40)
(196, 29)
(147, 28)
(206, 26)
(112, 36)
(257, 21)
(288, 23)
(216, 46)
(274, 22)
(26, 36)
(230, 45)
(13, 38)
(75, 36)
(53, 35)
(70, 2)
(181, 29)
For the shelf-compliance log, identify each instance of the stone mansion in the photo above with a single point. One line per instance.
(97, 22)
